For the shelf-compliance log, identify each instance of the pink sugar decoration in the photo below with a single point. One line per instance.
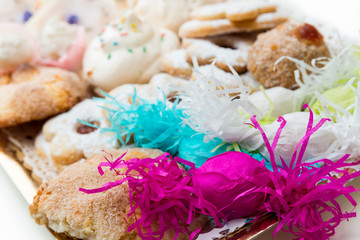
(123, 34)
(163, 193)
(303, 192)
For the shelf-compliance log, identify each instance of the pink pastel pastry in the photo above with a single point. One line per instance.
(128, 50)
(62, 44)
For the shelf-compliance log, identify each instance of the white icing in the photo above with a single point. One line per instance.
(129, 50)
(63, 129)
(159, 86)
(92, 15)
(263, 21)
(164, 13)
(234, 7)
(16, 46)
(56, 38)
(13, 11)
(177, 59)
(208, 50)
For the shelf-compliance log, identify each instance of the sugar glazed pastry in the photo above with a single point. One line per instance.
(299, 41)
(33, 93)
(17, 46)
(29, 92)
(67, 140)
(63, 208)
(128, 50)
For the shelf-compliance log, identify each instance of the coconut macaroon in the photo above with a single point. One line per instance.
(298, 41)
(128, 50)
(63, 208)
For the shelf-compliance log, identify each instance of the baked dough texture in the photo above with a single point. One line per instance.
(33, 93)
(63, 208)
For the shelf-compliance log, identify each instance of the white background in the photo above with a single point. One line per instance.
(15, 222)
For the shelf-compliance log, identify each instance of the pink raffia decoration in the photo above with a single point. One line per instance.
(303, 192)
(163, 193)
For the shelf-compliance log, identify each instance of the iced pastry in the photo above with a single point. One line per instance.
(16, 47)
(61, 44)
(68, 140)
(92, 15)
(34, 93)
(19, 11)
(164, 13)
(128, 50)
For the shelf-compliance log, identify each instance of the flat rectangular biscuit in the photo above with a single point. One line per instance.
(234, 11)
(199, 29)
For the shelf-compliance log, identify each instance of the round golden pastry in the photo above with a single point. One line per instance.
(64, 209)
(34, 93)
(302, 42)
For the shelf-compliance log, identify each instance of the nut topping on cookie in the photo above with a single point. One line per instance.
(309, 34)
(85, 129)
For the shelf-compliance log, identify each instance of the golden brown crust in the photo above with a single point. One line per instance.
(63, 208)
(37, 93)
(199, 29)
(283, 41)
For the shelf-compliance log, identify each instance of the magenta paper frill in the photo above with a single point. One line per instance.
(163, 193)
(232, 185)
(235, 183)
(304, 194)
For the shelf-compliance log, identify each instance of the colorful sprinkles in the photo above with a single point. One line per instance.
(27, 15)
(162, 37)
(72, 19)
(133, 26)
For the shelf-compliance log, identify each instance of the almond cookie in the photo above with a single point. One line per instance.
(299, 41)
(33, 93)
(63, 208)
(128, 50)
(176, 64)
(67, 140)
(205, 28)
(234, 10)
(225, 51)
